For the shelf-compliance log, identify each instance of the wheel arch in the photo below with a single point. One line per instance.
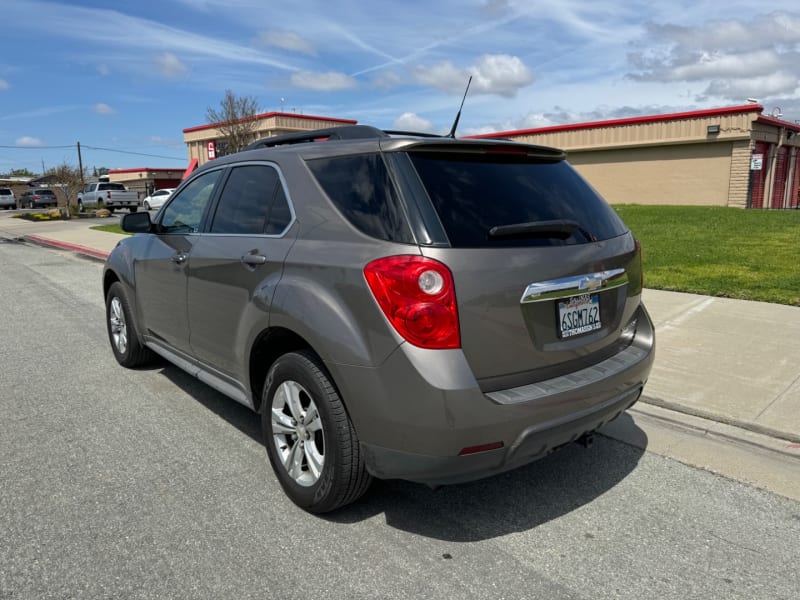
(269, 346)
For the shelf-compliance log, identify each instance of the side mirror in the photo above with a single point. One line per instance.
(138, 222)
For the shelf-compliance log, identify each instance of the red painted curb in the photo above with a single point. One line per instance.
(41, 241)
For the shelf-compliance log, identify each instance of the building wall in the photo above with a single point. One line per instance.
(694, 174)
(269, 125)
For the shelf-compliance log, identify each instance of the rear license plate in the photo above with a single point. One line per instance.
(579, 314)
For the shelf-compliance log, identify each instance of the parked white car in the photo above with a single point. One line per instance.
(157, 198)
(7, 199)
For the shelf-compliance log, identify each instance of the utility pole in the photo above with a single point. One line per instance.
(80, 163)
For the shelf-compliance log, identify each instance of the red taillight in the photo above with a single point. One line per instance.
(418, 297)
(108, 194)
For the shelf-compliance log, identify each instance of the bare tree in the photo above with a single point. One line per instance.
(235, 120)
(69, 180)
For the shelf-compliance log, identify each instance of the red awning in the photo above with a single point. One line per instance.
(192, 166)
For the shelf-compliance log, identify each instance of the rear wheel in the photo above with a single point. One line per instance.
(133, 209)
(310, 440)
(122, 330)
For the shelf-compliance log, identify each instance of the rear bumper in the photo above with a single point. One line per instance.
(534, 442)
(416, 413)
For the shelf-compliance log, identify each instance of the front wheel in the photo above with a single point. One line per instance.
(146, 205)
(122, 330)
(310, 440)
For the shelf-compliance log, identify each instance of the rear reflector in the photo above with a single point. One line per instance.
(481, 448)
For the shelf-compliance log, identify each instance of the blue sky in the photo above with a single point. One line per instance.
(128, 77)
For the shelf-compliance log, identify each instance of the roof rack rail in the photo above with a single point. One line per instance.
(414, 133)
(347, 132)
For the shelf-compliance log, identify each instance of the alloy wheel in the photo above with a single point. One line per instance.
(119, 328)
(297, 433)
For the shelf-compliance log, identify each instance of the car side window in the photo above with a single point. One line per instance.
(184, 213)
(252, 203)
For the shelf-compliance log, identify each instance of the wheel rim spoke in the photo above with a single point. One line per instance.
(314, 459)
(312, 421)
(292, 391)
(281, 423)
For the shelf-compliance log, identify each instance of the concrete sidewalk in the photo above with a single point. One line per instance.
(732, 362)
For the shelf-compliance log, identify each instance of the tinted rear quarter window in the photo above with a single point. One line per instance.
(360, 187)
(474, 193)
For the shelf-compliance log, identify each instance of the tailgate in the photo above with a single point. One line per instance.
(528, 314)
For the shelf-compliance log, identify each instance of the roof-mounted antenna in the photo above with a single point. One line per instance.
(452, 133)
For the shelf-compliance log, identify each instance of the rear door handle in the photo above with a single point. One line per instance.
(254, 259)
(180, 258)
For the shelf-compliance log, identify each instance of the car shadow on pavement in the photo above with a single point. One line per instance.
(514, 501)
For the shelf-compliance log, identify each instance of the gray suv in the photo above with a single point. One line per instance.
(393, 305)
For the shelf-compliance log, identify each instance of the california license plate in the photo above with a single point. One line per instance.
(579, 314)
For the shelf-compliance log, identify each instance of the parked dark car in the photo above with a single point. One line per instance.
(394, 306)
(38, 198)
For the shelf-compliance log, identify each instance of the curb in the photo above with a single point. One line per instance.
(715, 428)
(84, 250)
(789, 438)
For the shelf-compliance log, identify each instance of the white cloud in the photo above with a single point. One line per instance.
(27, 140)
(498, 74)
(288, 40)
(734, 58)
(103, 109)
(170, 66)
(323, 82)
(411, 122)
(4, 85)
(762, 86)
(386, 80)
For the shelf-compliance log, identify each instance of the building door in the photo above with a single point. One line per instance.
(758, 175)
(781, 171)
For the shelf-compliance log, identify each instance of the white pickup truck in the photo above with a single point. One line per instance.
(112, 196)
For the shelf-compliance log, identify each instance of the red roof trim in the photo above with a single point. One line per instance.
(142, 169)
(276, 114)
(778, 122)
(694, 114)
(192, 166)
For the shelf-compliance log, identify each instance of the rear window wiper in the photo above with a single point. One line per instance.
(560, 229)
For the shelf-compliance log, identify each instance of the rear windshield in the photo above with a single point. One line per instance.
(473, 194)
(44, 192)
(5, 192)
(112, 186)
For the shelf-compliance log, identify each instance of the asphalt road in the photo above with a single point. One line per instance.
(148, 484)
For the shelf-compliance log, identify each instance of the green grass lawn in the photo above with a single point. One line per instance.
(110, 228)
(730, 252)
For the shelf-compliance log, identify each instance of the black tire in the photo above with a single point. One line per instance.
(343, 477)
(110, 210)
(80, 206)
(122, 330)
(146, 205)
(133, 209)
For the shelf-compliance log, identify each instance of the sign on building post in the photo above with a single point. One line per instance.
(756, 162)
(212, 150)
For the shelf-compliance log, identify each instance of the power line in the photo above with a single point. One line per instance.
(129, 152)
(93, 148)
